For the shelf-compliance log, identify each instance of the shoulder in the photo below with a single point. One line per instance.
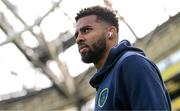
(131, 58)
(137, 63)
(134, 64)
(135, 59)
(139, 68)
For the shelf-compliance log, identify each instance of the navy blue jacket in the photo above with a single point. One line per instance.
(133, 83)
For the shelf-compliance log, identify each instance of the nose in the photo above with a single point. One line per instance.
(80, 38)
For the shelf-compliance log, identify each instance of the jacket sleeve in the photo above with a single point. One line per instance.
(143, 84)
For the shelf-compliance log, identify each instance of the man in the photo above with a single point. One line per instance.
(125, 78)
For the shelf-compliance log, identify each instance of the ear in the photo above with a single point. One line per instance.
(111, 32)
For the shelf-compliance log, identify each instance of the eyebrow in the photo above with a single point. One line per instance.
(82, 28)
(87, 26)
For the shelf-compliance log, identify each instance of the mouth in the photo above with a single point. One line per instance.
(83, 48)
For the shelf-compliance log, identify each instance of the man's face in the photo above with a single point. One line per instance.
(90, 37)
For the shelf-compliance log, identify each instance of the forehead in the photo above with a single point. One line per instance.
(86, 21)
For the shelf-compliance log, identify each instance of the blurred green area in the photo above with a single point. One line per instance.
(171, 76)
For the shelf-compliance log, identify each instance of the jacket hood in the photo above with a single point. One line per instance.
(114, 55)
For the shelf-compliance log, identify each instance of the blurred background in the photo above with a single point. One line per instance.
(40, 67)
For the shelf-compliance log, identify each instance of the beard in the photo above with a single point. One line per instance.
(95, 53)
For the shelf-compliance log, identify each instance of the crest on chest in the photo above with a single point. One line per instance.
(103, 95)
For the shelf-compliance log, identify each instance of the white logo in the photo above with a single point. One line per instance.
(103, 97)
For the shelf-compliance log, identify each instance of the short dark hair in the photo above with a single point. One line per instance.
(102, 13)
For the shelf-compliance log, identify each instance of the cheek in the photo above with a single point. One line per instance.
(91, 40)
(96, 45)
(94, 41)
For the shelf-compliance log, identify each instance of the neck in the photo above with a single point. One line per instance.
(103, 59)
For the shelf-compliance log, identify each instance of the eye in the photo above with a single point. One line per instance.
(86, 30)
